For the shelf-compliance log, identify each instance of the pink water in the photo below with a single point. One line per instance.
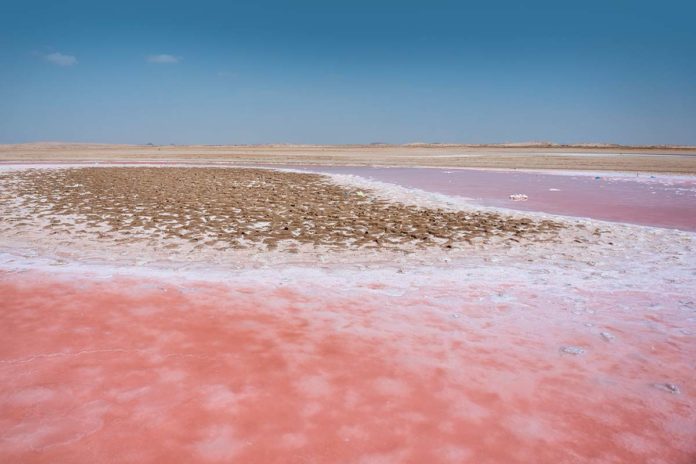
(515, 362)
(660, 201)
(126, 370)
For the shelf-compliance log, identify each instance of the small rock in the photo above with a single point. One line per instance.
(574, 350)
(607, 336)
(668, 387)
(519, 197)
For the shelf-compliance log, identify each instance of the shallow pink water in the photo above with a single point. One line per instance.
(658, 201)
(124, 370)
(529, 365)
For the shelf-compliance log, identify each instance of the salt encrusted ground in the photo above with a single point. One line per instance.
(576, 349)
(232, 208)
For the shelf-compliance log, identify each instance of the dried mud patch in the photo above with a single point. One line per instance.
(238, 208)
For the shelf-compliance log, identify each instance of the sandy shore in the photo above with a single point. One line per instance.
(514, 156)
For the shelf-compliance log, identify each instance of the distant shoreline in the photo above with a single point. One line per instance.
(512, 145)
(653, 159)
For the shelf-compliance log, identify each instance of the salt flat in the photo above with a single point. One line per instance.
(545, 338)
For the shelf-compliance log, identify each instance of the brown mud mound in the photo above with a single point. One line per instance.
(239, 208)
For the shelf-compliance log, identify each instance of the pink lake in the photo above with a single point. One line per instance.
(543, 355)
(659, 200)
(320, 369)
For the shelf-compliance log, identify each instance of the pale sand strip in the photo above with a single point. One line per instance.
(681, 160)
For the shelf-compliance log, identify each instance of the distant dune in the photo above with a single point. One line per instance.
(530, 144)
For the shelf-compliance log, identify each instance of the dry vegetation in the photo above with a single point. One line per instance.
(237, 208)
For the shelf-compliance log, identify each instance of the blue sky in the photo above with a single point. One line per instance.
(273, 71)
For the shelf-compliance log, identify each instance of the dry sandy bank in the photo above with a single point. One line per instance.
(544, 156)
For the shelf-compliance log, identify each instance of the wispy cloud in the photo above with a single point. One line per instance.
(60, 59)
(163, 59)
